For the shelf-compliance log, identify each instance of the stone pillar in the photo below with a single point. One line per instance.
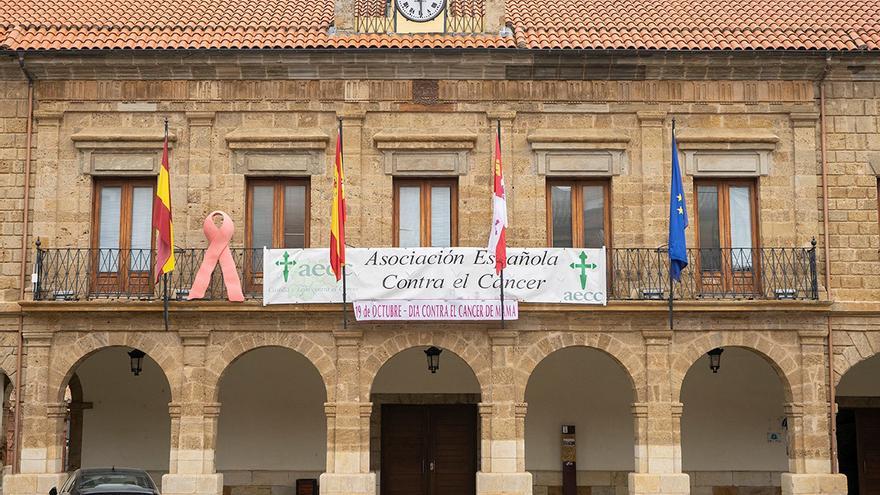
(805, 177)
(502, 426)
(42, 425)
(194, 193)
(352, 116)
(651, 166)
(191, 469)
(348, 425)
(658, 423)
(808, 426)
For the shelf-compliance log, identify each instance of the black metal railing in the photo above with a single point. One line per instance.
(76, 274)
(764, 273)
(72, 274)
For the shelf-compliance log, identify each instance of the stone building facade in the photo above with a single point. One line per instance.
(773, 119)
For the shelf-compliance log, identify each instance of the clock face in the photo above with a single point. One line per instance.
(420, 10)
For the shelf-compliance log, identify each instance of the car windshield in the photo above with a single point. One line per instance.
(97, 479)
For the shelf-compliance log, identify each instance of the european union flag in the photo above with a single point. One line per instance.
(678, 218)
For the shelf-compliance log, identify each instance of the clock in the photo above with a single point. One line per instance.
(420, 10)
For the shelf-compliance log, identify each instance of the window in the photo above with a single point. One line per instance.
(278, 213)
(578, 213)
(277, 217)
(122, 235)
(727, 235)
(425, 213)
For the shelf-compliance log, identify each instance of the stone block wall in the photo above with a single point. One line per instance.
(853, 143)
(13, 135)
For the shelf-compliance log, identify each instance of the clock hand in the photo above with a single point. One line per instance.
(421, 8)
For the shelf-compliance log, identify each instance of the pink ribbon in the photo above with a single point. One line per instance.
(218, 252)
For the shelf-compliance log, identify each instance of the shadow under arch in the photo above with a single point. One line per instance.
(630, 362)
(376, 359)
(685, 360)
(851, 359)
(412, 364)
(67, 357)
(218, 363)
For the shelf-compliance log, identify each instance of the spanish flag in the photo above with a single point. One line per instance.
(162, 217)
(337, 216)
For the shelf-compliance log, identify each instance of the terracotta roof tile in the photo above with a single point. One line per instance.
(537, 24)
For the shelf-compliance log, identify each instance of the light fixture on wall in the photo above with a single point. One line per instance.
(715, 359)
(137, 360)
(433, 354)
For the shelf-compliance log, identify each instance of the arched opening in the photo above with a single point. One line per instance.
(424, 428)
(858, 427)
(117, 418)
(6, 425)
(734, 433)
(589, 390)
(272, 428)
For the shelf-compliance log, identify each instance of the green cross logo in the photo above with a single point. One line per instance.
(286, 263)
(583, 266)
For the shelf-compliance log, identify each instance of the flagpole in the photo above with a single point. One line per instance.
(498, 130)
(342, 229)
(668, 247)
(165, 275)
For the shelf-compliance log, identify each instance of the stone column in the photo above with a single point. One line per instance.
(658, 423)
(808, 425)
(348, 425)
(352, 116)
(191, 469)
(193, 194)
(42, 424)
(502, 420)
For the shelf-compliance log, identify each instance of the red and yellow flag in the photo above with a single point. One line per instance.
(337, 216)
(162, 218)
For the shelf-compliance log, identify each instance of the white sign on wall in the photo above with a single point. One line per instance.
(540, 275)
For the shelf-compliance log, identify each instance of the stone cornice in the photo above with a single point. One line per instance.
(258, 138)
(410, 140)
(141, 137)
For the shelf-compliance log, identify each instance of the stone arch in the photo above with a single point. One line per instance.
(67, 355)
(783, 359)
(631, 362)
(229, 351)
(851, 348)
(372, 359)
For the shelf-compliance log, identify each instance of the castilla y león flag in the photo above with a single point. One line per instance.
(337, 215)
(162, 218)
(497, 241)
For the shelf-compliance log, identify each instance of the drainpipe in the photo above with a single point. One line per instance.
(832, 406)
(25, 216)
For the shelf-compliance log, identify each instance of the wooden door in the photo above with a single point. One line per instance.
(453, 461)
(404, 450)
(868, 432)
(429, 450)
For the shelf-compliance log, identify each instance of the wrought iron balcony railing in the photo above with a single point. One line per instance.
(72, 274)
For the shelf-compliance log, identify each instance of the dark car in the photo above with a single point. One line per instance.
(107, 481)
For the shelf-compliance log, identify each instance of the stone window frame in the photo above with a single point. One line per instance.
(425, 155)
(119, 152)
(580, 152)
(731, 153)
(274, 152)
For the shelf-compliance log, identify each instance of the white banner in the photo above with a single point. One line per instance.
(435, 310)
(541, 275)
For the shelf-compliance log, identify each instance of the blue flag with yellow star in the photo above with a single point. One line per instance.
(678, 218)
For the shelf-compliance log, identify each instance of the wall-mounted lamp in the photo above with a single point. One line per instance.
(433, 355)
(137, 361)
(715, 359)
